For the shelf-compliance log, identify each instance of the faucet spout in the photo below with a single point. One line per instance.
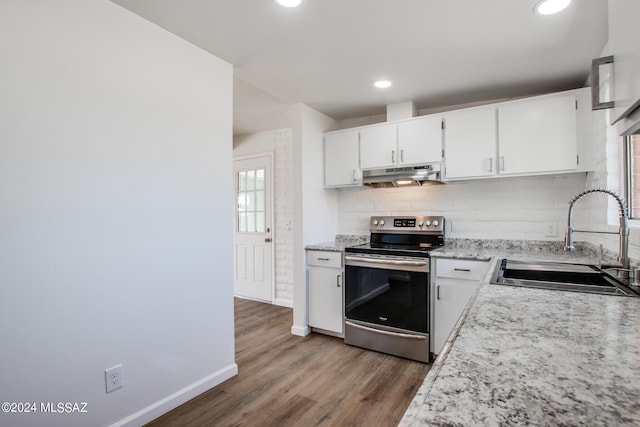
(623, 248)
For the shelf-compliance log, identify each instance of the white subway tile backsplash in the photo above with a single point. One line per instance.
(546, 215)
(356, 206)
(387, 207)
(507, 208)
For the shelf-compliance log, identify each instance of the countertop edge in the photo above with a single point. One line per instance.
(437, 365)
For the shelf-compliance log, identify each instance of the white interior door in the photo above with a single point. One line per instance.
(253, 250)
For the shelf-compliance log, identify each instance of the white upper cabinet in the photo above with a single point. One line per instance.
(341, 159)
(533, 136)
(379, 146)
(420, 141)
(412, 142)
(470, 143)
(538, 135)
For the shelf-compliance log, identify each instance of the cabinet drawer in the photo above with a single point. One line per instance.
(461, 269)
(324, 259)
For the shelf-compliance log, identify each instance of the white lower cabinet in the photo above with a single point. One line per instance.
(455, 281)
(325, 296)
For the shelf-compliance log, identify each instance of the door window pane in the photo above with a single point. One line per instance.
(251, 201)
(260, 179)
(242, 222)
(242, 180)
(260, 201)
(251, 222)
(260, 221)
(250, 180)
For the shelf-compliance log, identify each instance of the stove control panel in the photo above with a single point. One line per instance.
(407, 224)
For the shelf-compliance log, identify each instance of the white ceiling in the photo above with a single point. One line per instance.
(328, 53)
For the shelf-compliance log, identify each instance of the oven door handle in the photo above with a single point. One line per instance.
(417, 266)
(390, 334)
(386, 261)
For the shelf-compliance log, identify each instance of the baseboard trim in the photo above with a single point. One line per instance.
(176, 399)
(301, 331)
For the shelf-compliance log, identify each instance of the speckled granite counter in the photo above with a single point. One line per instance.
(521, 250)
(521, 356)
(338, 245)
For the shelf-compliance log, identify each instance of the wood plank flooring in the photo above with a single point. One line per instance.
(285, 380)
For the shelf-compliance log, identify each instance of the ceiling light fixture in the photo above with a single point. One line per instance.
(382, 84)
(549, 7)
(289, 3)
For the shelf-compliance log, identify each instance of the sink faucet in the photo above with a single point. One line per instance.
(623, 252)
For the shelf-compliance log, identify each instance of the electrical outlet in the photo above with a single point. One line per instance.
(113, 378)
(550, 230)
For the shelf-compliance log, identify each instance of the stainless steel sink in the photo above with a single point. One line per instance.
(559, 276)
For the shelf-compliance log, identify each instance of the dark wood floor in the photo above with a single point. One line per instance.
(286, 380)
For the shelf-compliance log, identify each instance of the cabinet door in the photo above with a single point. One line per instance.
(379, 146)
(325, 298)
(470, 143)
(341, 159)
(451, 297)
(420, 141)
(538, 135)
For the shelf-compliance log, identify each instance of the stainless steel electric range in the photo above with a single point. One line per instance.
(387, 286)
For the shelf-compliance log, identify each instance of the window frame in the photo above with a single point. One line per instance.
(628, 175)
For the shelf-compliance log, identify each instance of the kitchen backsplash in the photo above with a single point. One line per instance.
(528, 208)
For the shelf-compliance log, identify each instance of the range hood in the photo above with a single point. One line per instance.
(402, 177)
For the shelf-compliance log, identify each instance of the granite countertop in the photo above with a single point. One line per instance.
(341, 241)
(521, 250)
(521, 356)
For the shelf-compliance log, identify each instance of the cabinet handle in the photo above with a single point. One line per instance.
(393, 156)
(595, 84)
(490, 164)
(338, 280)
(355, 178)
(323, 259)
(401, 156)
(438, 292)
(462, 269)
(501, 163)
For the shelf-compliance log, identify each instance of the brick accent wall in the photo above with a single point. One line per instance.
(283, 213)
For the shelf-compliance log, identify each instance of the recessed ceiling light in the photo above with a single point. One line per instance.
(289, 3)
(549, 7)
(382, 84)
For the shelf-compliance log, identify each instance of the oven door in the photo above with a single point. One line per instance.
(387, 304)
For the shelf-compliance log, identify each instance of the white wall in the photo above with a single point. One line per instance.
(315, 215)
(509, 208)
(602, 211)
(115, 230)
(319, 205)
(279, 143)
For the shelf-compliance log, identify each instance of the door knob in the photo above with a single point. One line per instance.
(267, 239)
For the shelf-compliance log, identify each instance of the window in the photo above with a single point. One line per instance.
(251, 203)
(633, 174)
